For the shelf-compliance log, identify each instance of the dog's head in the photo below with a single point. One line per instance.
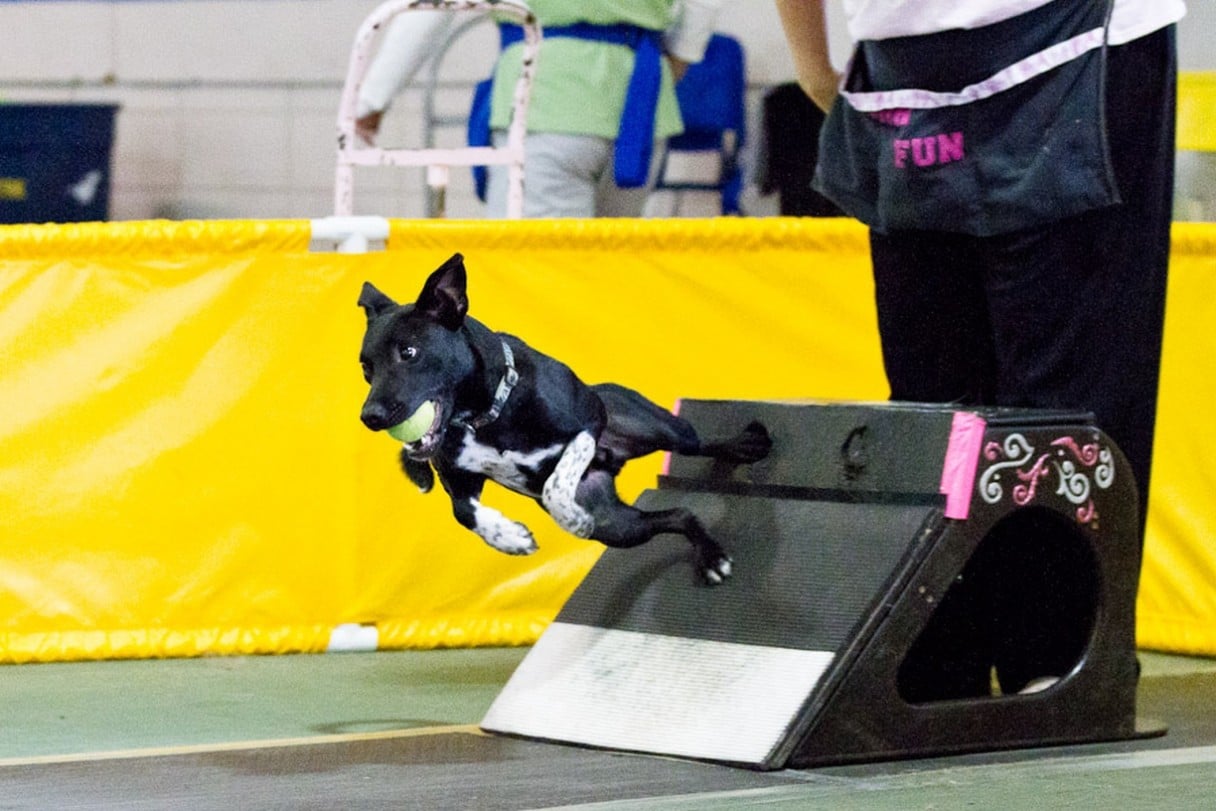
(415, 357)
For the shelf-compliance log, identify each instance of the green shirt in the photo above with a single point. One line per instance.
(579, 86)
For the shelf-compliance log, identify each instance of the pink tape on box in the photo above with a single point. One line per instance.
(665, 469)
(962, 459)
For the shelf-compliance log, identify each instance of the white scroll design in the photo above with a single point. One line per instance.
(1017, 466)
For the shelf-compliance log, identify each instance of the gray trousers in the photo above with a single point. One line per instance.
(567, 176)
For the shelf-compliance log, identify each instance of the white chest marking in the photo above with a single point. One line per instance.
(508, 468)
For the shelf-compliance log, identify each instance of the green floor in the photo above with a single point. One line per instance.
(66, 716)
(60, 709)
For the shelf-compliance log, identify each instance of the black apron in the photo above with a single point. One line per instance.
(981, 131)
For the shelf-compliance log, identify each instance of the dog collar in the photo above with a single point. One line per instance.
(509, 378)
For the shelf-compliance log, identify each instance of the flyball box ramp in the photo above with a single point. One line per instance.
(880, 554)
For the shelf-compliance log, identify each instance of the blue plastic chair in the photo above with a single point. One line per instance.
(712, 98)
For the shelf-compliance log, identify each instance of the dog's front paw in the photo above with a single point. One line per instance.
(420, 473)
(503, 534)
(715, 568)
(513, 538)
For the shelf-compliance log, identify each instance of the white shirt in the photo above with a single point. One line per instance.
(883, 19)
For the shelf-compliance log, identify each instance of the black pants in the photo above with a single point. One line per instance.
(1066, 316)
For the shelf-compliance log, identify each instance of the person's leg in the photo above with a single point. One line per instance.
(932, 318)
(561, 176)
(1078, 307)
(1141, 114)
(613, 201)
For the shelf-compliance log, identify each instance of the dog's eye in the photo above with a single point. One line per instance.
(407, 352)
(367, 370)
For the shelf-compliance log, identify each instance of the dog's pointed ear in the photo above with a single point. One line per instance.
(374, 302)
(443, 297)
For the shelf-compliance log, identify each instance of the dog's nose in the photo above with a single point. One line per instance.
(375, 416)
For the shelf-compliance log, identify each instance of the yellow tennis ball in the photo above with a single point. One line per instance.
(416, 426)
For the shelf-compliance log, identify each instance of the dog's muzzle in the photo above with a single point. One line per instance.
(376, 416)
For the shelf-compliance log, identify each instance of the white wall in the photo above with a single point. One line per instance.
(227, 108)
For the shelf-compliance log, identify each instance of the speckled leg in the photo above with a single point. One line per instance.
(560, 489)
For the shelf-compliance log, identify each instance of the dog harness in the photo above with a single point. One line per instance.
(509, 378)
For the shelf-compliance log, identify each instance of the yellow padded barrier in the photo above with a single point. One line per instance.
(183, 472)
(1197, 111)
(1177, 605)
(182, 469)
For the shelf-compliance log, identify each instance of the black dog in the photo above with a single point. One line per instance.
(504, 411)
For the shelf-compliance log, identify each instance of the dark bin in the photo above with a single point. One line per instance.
(55, 162)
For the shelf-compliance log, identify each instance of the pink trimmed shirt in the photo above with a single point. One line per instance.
(883, 19)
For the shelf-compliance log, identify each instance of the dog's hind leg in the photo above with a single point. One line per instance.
(636, 427)
(751, 445)
(560, 492)
(622, 526)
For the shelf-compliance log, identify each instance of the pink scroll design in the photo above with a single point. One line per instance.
(1025, 492)
(1078, 469)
